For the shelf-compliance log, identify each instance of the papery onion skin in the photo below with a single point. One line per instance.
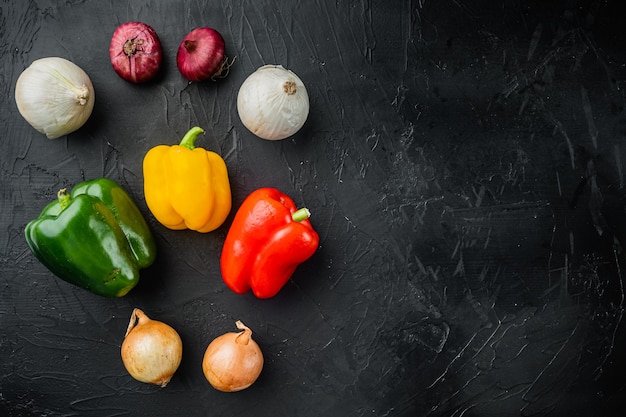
(135, 51)
(273, 103)
(55, 96)
(201, 55)
(152, 350)
(233, 361)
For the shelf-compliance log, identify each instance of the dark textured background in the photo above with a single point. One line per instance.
(464, 163)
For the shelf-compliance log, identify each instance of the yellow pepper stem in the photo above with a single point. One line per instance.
(188, 141)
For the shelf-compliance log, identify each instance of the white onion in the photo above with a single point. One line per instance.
(273, 103)
(55, 96)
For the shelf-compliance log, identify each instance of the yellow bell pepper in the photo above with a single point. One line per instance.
(187, 187)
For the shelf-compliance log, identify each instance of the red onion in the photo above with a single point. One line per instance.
(135, 52)
(201, 55)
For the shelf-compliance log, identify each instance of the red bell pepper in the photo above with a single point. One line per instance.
(268, 239)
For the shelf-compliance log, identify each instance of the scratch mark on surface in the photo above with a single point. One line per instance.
(561, 129)
(593, 130)
(534, 41)
(618, 164)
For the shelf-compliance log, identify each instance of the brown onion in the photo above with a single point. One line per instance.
(151, 350)
(201, 56)
(233, 361)
(135, 52)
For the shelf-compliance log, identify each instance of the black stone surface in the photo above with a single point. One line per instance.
(464, 164)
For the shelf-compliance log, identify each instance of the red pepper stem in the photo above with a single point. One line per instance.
(64, 198)
(188, 141)
(301, 214)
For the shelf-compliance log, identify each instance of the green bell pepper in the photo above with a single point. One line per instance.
(94, 237)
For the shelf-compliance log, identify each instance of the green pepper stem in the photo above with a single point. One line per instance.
(188, 141)
(64, 198)
(301, 214)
